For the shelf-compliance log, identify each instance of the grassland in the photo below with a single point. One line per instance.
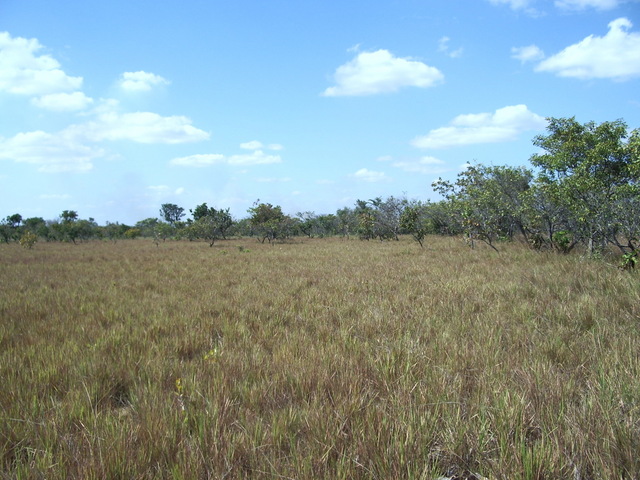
(316, 359)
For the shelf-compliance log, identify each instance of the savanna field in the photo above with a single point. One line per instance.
(316, 358)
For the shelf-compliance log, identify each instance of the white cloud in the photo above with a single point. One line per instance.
(23, 72)
(179, 191)
(530, 53)
(52, 153)
(158, 188)
(252, 145)
(258, 157)
(140, 81)
(367, 175)
(443, 46)
(425, 165)
(141, 127)
(584, 4)
(514, 4)
(505, 124)
(371, 73)
(199, 160)
(63, 102)
(615, 56)
(256, 145)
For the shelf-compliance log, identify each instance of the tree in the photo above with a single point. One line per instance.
(147, 226)
(415, 221)
(591, 173)
(171, 213)
(487, 202)
(269, 223)
(9, 227)
(347, 222)
(37, 226)
(308, 223)
(210, 224)
(69, 216)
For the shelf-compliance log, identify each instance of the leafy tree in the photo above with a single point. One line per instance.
(37, 226)
(210, 224)
(415, 221)
(171, 213)
(308, 223)
(487, 201)
(132, 233)
(28, 239)
(69, 216)
(269, 223)
(114, 231)
(591, 174)
(326, 225)
(147, 226)
(347, 222)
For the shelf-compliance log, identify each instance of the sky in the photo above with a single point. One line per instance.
(113, 108)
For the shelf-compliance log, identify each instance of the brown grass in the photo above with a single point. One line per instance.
(316, 359)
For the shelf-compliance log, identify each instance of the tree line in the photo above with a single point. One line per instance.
(583, 189)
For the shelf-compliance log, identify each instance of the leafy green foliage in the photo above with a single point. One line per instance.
(210, 224)
(171, 213)
(269, 223)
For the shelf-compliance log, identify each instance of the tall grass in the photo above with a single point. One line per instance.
(316, 359)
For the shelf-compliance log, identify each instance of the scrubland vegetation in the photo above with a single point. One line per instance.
(316, 358)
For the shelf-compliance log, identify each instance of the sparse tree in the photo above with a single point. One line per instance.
(171, 213)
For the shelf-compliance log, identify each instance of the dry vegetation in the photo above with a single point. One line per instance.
(316, 359)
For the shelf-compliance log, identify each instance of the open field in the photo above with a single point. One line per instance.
(316, 359)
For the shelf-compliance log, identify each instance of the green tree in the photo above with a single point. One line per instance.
(487, 202)
(171, 213)
(269, 223)
(590, 172)
(415, 220)
(147, 226)
(10, 227)
(37, 226)
(210, 224)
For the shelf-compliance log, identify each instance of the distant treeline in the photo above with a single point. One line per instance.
(584, 189)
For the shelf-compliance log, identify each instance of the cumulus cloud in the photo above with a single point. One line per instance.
(24, 72)
(615, 56)
(503, 125)
(584, 4)
(257, 157)
(256, 145)
(63, 102)
(74, 148)
(366, 175)
(371, 73)
(52, 153)
(425, 165)
(198, 160)
(140, 81)
(530, 53)
(141, 127)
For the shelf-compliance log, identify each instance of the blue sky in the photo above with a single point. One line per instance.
(113, 108)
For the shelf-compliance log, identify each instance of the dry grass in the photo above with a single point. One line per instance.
(316, 359)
